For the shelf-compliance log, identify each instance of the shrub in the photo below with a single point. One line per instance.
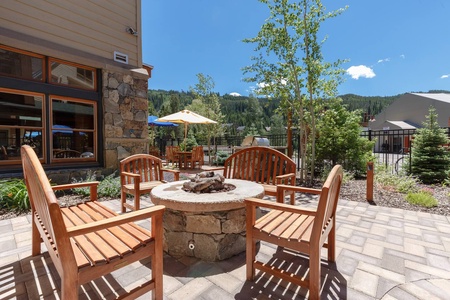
(221, 157)
(422, 198)
(14, 195)
(108, 187)
(401, 183)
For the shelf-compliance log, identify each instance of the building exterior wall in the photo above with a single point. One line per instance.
(87, 32)
(413, 109)
(52, 28)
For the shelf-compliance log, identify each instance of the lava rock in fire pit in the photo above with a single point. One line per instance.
(207, 182)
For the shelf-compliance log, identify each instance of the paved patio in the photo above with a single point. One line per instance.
(382, 253)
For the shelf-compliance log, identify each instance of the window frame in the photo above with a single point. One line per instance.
(94, 130)
(32, 54)
(64, 62)
(42, 156)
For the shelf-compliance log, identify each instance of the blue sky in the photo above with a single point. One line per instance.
(392, 46)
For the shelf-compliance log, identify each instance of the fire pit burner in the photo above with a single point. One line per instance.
(207, 182)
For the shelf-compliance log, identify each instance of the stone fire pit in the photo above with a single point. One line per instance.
(209, 226)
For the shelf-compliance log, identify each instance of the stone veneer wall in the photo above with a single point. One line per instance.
(125, 108)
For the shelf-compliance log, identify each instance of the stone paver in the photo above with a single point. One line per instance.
(382, 253)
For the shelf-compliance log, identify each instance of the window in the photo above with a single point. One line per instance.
(21, 64)
(21, 115)
(72, 75)
(48, 114)
(73, 132)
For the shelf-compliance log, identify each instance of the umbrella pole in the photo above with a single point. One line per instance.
(185, 135)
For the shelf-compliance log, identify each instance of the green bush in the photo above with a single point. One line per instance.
(401, 183)
(14, 195)
(422, 198)
(221, 156)
(108, 187)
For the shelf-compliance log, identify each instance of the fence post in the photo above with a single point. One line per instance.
(369, 193)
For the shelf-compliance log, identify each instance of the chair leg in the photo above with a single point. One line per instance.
(137, 201)
(250, 258)
(332, 245)
(35, 240)
(69, 287)
(123, 199)
(314, 274)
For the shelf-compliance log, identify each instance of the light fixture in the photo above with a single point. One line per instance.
(132, 31)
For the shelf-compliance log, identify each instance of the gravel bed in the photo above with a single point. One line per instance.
(355, 190)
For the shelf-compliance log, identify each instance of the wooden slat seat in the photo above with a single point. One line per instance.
(295, 228)
(88, 240)
(139, 174)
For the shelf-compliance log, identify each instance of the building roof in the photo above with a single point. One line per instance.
(401, 124)
(440, 97)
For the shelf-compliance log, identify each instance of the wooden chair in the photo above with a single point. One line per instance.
(198, 157)
(139, 174)
(88, 240)
(263, 165)
(293, 227)
(171, 156)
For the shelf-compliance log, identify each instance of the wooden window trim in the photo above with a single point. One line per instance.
(42, 57)
(65, 62)
(42, 128)
(54, 160)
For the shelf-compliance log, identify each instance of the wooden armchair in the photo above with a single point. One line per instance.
(171, 156)
(292, 227)
(198, 157)
(262, 165)
(139, 174)
(88, 240)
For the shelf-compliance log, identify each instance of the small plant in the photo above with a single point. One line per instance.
(108, 187)
(401, 183)
(221, 156)
(14, 195)
(422, 198)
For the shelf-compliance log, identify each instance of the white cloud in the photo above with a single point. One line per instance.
(234, 94)
(402, 56)
(360, 71)
(383, 60)
(445, 76)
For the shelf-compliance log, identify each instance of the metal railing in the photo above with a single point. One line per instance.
(391, 148)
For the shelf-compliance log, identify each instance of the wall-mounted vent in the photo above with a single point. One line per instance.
(120, 57)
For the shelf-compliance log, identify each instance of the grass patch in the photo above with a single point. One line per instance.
(422, 198)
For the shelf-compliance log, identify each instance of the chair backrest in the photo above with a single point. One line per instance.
(197, 153)
(44, 203)
(326, 208)
(170, 152)
(259, 164)
(147, 166)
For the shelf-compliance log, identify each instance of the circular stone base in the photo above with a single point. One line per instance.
(210, 227)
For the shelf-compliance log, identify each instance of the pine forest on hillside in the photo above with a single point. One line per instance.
(248, 111)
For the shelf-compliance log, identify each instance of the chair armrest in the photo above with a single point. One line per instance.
(255, 202)
(216, 169)
(176, 173)
(299, 189)
(283, 178)
(154, 211)
(93, 185)
(130, 174)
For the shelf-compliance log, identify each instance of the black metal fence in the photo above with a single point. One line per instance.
(391, 148)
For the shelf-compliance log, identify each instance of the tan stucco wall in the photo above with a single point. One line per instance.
(62, 29)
